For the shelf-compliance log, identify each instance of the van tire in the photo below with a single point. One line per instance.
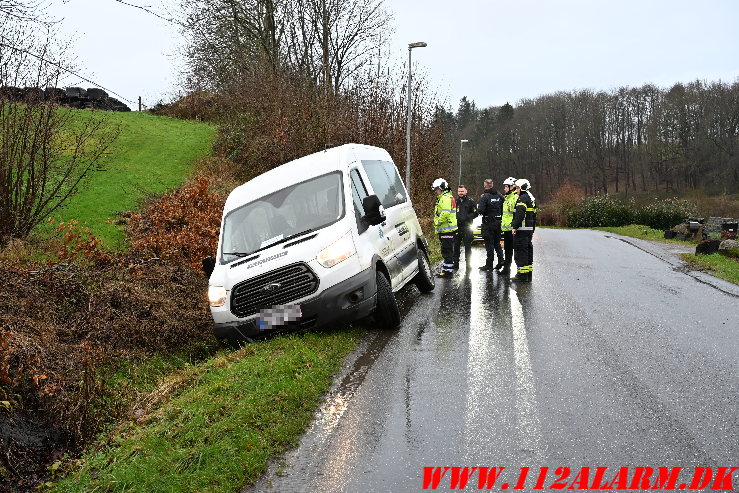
(424, 280)
(387, 313)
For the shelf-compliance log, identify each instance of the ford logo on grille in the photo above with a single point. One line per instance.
(271, 288)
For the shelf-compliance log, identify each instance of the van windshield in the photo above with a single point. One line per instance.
(272, 219)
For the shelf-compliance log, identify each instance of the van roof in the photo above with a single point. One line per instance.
(304, 168)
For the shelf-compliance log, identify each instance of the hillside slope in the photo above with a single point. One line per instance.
(152, 154)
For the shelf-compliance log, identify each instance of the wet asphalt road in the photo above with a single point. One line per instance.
(615, 355)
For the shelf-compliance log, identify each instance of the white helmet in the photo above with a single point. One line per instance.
(510, 181)
(439, 183)
(523, 184)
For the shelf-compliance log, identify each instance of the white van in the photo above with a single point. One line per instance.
(326, 238)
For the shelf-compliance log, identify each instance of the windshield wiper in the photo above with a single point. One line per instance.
(283, 240)
(293, 236)
(237, 254)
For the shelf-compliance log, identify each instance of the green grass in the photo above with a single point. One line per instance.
(218, 432)
(129, 380)
(152, 155)
(716, 265)
(641, 231)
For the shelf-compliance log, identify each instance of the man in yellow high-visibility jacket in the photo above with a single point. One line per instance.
(445, 224)
(509, 207)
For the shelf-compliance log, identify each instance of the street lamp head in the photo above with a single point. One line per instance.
(464, 140)
(419, 44)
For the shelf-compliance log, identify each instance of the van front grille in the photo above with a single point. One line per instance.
(278, 287)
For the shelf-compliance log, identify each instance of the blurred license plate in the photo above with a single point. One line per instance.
(278, 315)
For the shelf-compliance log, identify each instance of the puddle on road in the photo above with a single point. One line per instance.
(339, 399)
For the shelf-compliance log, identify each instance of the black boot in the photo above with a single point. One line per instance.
(498, 265)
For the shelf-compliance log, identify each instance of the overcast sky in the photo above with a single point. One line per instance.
(492, 51)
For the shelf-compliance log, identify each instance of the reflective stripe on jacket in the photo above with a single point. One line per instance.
(524, 217)
(445, 213)
(509, 207)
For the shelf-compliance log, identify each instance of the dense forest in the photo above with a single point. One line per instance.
(624, 141)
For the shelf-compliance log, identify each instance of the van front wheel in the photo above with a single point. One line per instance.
(386, 312)
(424, 280)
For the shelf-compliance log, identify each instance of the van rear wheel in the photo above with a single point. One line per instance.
(424, 280)
(386, 311)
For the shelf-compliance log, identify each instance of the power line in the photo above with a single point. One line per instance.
(56, 64)
(148, 11)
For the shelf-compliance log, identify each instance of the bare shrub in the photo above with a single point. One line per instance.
(566, 199)
(180, 227)
(198, 105)
(59, 324)
(270, 119)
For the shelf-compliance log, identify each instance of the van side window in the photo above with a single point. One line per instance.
(383, 176)
(359, 192)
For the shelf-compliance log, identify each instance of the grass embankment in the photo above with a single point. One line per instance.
(716, 264)
(218, 433)
(151, 155)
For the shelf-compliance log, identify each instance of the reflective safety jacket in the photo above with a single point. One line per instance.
(509, 207)
(524, 217)
(445, 213)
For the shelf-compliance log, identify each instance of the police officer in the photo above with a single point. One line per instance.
(445, 224)
(522, 227)
(490, 207)
(509, 207)
(466, 212)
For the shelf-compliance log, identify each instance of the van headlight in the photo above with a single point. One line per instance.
(216, 295)
(337, 252)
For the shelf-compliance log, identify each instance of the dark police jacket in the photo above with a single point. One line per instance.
(490, 206)
(466, 210)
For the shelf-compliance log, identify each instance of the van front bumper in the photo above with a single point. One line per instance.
(348, 300)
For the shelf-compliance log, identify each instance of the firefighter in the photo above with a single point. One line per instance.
(522, 228)
(509, 207)
(466, 212)
(490, 207)
(445, 224)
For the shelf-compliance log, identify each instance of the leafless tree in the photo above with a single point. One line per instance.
(45, 150)
(327, 41)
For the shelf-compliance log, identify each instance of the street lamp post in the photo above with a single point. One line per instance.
(419, 44)
(462, 141)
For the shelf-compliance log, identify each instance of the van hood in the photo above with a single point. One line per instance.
(228, 275)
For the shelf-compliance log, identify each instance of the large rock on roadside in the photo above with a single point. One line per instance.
(707, 247)
(729, 248)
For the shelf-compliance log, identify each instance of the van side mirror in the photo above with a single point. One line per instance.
(374, 213)
(209, 263)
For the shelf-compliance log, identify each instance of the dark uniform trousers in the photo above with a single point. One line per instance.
(523, 248)
(508, 248)
(464, 234)
(491, 235)
(447, 241)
